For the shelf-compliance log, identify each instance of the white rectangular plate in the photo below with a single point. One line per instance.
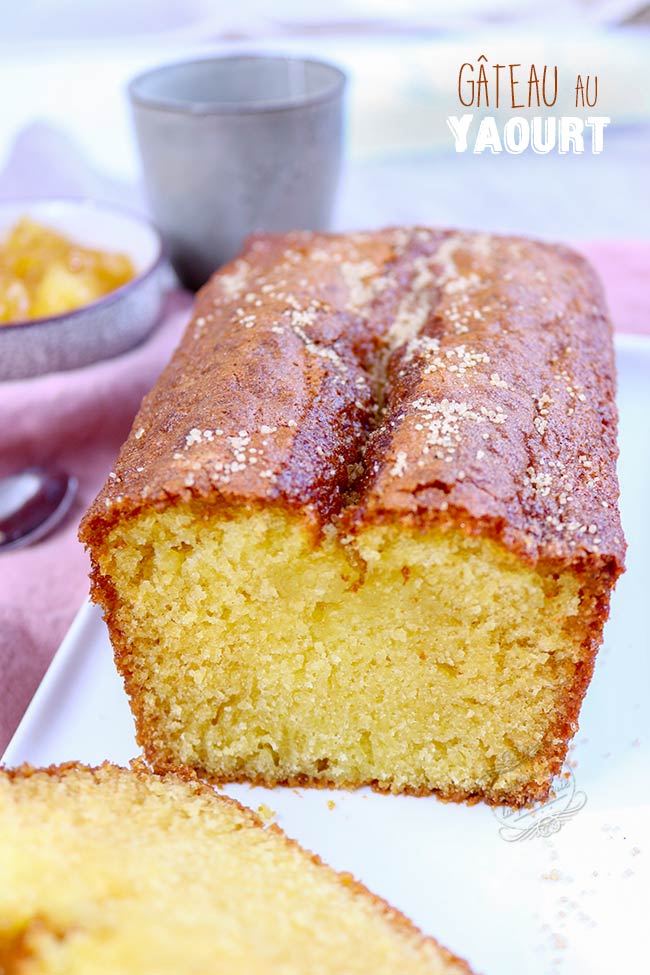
(493, 888)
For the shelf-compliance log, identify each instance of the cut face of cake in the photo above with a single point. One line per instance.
(365, 530)
(106, 871)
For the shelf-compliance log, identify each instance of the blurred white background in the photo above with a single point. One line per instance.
(65, 128)
(90, 19)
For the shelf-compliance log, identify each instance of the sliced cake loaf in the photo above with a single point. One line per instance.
(365, 527)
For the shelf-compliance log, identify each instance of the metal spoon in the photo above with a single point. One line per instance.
(32, 503)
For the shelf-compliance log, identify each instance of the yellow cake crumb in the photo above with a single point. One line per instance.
(411, 661)
(266, 814)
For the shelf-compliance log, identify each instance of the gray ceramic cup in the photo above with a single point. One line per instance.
(234, 145)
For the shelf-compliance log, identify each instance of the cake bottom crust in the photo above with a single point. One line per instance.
(526, 794)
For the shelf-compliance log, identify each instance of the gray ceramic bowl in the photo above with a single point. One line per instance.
(234, 145)
(104, 328)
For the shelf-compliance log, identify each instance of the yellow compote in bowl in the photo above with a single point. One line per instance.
(44, 273)
(80, 281)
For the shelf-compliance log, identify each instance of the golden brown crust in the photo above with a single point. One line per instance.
(523, 796)
(419, 374)
(394, 917)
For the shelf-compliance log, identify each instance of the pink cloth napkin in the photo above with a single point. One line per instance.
(624, 267)
(76, 420)
(79, 419)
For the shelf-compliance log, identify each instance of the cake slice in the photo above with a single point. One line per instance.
(365, 529)
(106, 871)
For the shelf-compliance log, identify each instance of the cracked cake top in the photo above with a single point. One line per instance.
(430, 375)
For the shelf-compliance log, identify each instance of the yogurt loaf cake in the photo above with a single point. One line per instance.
(115, 872)
(365, 528)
